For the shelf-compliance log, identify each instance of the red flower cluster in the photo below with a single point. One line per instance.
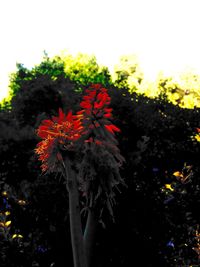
(61, 130)
(95, 108)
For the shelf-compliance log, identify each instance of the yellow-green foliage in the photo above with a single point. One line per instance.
(84, 69)
(183, 89)
(128, 73)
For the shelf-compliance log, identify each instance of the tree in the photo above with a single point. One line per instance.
(128, 73)
(83, 69)
(182, 90)
(157, 140)
(52, 68)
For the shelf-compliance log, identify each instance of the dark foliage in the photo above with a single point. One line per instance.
(156, 140)
(42, 97)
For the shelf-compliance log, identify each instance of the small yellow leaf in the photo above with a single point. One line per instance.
(178, 174)
(1, 224)
(7, 223)
(168, 186)
(7, 213)
(17, 236)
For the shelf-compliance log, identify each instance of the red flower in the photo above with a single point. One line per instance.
(62, 127)
(95, 103)
(62, 130)
(96, 111)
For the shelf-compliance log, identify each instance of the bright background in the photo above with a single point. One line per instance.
(164, 33)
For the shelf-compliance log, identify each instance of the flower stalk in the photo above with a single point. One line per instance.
(79, 256)
(89, 236)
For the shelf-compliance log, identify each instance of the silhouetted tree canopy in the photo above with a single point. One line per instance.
(157, 139)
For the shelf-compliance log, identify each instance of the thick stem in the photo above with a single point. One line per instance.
(89, 236)
(79, 256)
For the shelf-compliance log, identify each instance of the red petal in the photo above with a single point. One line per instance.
(115, 128)
(43, 128)
(80, 112)
(85, 105)
(107, 115)
(112, 128)
(69, 116)
(87, 98)
(99, 105)
(91, 93)
(61, 115)
(108, 110)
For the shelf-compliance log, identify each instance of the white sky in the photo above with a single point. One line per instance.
(164, 33)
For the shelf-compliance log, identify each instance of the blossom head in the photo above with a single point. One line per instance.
(95, 102)
(59, 132)
(96, 112)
